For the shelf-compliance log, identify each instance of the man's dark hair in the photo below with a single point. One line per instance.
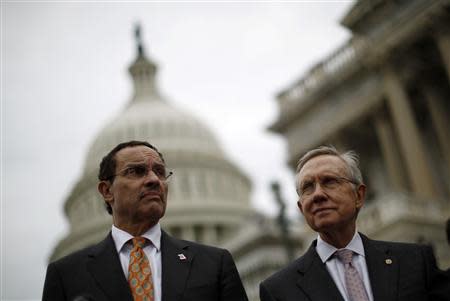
(107, 170)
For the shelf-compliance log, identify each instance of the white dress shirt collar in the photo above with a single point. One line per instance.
(325, 250)
(121, 237)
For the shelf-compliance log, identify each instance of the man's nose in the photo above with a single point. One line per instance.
(151, 177)
(318, 193)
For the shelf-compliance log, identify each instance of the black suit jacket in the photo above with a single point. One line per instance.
(95, 273)
(412, 275)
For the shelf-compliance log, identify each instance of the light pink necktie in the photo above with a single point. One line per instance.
(353, 281)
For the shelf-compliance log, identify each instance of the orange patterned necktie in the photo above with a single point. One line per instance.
(139, 273)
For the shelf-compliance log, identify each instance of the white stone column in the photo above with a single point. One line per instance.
(419, 171)
(443, 41)
(439, 119)
(394, 166)
(187, 232)
(210, 235)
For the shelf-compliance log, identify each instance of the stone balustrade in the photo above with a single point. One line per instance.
(390, 208)
(337, 64)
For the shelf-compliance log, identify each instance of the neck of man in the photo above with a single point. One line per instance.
(135, 229)
(339, 238)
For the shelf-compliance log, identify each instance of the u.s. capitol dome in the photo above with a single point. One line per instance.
(209, 197)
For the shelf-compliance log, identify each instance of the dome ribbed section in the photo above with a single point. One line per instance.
(170, 129)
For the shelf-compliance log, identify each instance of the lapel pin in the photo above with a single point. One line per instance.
(181, 256)
(388, 261)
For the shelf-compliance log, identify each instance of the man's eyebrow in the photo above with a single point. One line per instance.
(308, 178)
(131, 164)
(134, 163)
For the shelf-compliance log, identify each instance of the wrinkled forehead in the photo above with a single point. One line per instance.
(323, 165)
(137, 154)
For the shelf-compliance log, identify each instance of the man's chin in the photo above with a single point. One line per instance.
(154, 211)
(324, 224)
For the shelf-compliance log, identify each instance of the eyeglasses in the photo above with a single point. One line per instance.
(139, 171)
(328, 183)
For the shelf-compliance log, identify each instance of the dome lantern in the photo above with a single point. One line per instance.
(143, 72)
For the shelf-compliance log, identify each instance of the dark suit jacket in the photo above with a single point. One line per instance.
(95, 273)
(411, 276)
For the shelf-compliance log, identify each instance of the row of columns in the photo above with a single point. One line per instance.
(440, 121)
(411, 145)
(208, 234)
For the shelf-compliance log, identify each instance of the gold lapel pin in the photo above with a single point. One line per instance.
(388, 261)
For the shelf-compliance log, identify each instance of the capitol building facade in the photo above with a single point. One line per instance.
(384, 94)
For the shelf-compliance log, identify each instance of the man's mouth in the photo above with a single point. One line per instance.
(150, 193)
(318, 210)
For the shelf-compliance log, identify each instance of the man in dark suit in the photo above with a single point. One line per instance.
(343, 264)
(138, 260)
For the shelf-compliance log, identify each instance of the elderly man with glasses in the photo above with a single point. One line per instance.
(138, 260)
(343, 264)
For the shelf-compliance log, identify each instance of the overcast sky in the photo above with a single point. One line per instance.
(64, 75)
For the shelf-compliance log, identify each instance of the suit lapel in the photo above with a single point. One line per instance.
(104, 265)
(314, 280)
(382, 267)
(176, 263)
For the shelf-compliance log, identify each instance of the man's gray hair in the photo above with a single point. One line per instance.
(350, 159)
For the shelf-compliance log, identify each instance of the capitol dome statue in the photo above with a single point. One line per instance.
(209, 197)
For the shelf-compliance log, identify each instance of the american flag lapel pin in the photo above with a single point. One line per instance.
(181, 256)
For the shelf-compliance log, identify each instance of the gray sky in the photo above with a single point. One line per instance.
(64, 75)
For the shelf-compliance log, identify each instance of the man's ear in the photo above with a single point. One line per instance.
(104, 187)
(360, 196)
(299, 204)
